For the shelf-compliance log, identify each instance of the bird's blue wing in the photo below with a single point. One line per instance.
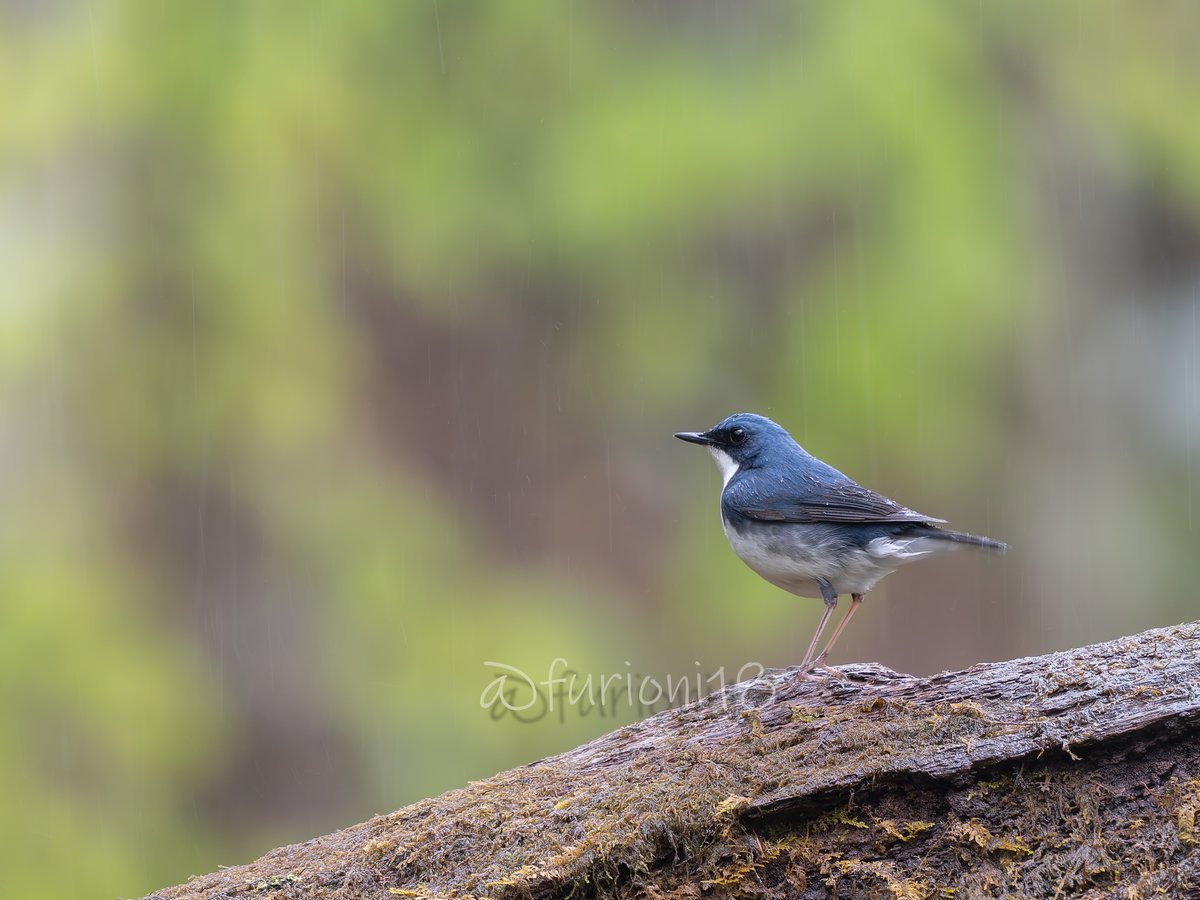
(809, 500)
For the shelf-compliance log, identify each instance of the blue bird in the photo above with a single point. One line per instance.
(807, 528)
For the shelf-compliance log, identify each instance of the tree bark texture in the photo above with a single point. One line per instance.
(1075, 774)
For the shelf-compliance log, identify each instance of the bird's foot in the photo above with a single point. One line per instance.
(811, 672)
(828, 672)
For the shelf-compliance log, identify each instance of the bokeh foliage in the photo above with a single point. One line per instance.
(340, 345)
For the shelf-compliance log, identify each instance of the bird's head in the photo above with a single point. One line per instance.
(741, 441)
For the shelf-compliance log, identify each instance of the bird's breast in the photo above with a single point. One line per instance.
(790, 557)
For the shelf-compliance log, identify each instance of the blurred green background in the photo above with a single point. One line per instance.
(341, 346)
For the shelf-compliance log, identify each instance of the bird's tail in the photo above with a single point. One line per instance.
(973, 540)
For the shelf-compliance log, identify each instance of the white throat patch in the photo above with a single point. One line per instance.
(725, 463)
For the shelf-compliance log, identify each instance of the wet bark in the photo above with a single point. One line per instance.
(1071, 774)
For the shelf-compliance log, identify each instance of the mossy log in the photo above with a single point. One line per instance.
(1067, 775)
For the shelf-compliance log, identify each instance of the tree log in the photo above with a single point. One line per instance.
(1066, 775)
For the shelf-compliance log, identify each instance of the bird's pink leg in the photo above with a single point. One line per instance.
(855, 601)
(830, 598)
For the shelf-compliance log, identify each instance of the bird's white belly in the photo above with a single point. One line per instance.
(796, 565)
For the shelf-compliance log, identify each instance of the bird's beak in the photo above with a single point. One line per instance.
(693, 437)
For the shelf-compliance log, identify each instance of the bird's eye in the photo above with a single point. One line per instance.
(737, 436)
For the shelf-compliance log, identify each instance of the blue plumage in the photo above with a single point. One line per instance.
(808, 528)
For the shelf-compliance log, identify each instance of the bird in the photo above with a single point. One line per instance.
(807, 528)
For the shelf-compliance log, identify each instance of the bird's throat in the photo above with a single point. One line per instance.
(726, 463)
